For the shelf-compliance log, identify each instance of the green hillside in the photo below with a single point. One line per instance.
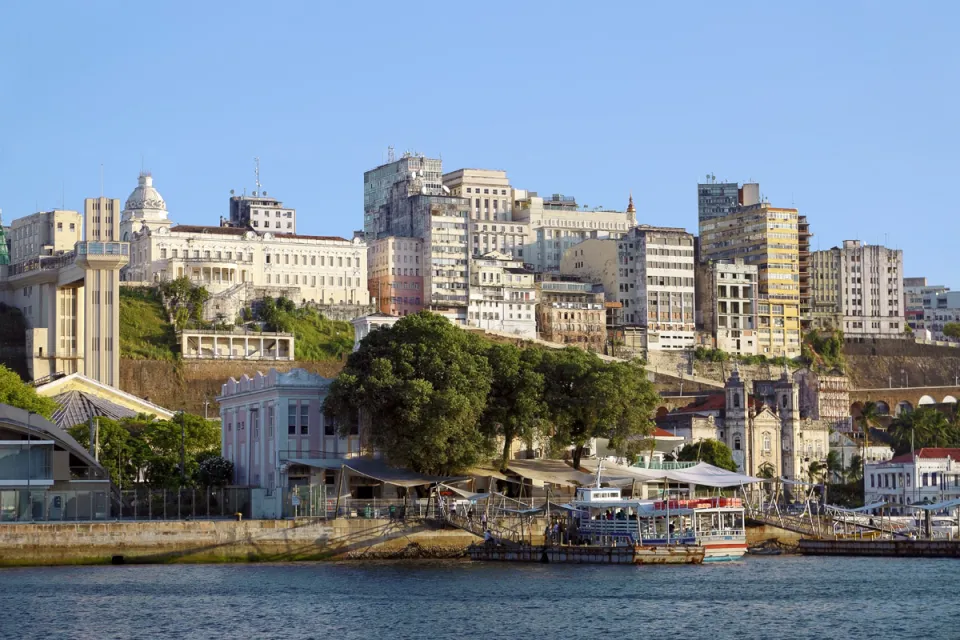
(145, 332)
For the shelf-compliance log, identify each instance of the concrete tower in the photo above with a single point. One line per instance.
(101, 256)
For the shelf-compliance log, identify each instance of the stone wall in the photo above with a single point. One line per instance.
(187, 385)
(223, 541)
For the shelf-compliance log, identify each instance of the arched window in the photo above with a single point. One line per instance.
(766, 442)
(783, 400)
(736, 443)
(736, 404)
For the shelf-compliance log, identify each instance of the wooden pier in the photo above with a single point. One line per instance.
(886, 548)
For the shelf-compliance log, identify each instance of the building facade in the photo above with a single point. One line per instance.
(595, 261)
(570, 311)
(940, 309)
(558, 223)
(825, 397)
(726, 302)
(926, 475)
(767, 237)
(503, 296)
(916, 292)
(859, 288)
(490, 196)
(262, 213)
(46, 233)
(144, 207)
(394, 277)
(655, 285)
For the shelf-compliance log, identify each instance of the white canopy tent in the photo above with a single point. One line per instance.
(702, 474)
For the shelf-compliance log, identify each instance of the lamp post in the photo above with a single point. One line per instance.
(183, 450)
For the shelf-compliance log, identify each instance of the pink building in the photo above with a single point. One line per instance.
(274, 430)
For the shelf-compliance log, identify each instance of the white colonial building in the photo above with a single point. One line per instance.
(325, 269)
(926, 475)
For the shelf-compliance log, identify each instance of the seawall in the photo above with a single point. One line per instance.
(889, 548)
(225, 541)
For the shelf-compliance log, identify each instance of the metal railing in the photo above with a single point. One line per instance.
(182, 504)
(19, 506)
(103, 248)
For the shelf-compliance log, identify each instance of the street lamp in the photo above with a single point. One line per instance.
(183, 449)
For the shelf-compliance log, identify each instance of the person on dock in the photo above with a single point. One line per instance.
(483, 520)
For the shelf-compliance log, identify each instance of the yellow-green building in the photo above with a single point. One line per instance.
(765, 236)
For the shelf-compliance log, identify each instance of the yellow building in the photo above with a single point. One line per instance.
(767, 237)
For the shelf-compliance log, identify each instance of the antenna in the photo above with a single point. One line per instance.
(256, 171)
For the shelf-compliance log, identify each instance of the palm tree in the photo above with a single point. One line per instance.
(815, 471)
(834, 466)
(855, 470)
(766, 471)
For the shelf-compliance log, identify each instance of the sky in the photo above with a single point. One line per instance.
(845, 110)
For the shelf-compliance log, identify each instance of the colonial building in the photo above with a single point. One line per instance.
(825, 397)
(752, 431)
(726, 303)
(503, 296)
(571, 312)
(925, 475)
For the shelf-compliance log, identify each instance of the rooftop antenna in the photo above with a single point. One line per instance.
(391, 155)
(256, 171)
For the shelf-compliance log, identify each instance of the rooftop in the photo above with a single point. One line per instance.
(937, 453)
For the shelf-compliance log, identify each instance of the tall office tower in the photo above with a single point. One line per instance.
(718, 199)
(803, 268)
(768, 237)
(917, 295)
(101, 256)
(490, 197)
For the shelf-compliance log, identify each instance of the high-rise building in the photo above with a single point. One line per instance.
(859, 287)
(718, 199)
(558, 223)
(767, 237)
(917, 295)
(4, 244)
(101, 280)
(726, 304)
(656, 285)
(395, 279)
(803, 268)
(407, 199)
(940, 309)
(46, 233)
(492, 227)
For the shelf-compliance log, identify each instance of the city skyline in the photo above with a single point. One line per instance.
(827, 128)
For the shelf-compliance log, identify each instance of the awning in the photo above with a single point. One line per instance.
(937, 506)
(376, 469)
(469, 495)
(489, 472)
(701, 473)
(559, 472)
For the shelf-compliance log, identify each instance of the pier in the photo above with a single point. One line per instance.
(883, 547)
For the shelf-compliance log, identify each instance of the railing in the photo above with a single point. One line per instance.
(665, 466)
(182, 504)
(235, 332)
(42, 263)
(87, 473)
(49, 378)
(55, 506)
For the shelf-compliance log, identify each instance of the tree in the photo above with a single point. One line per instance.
(855, 470)
(588, 398)
(424, 383)
(925, 427)
(514, 406)
(815, 472)
(17, 393)
(835, 466)
(766, 471)
(215, 471)
(710, 451)
(952, 330)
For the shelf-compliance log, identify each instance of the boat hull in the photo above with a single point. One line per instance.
(661, 554)
(724, 552)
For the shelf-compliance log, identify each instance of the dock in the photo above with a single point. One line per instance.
(884, 547)
(563, 554)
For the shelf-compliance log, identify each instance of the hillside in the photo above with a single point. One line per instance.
(145, 331)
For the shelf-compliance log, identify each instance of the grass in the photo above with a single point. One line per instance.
(145, 332)
(318, 338)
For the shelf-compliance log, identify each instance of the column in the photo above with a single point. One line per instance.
(246, 347)
(261, 347)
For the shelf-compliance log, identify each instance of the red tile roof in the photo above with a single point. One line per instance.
(662, 433)
(929, 452)
(715, 402)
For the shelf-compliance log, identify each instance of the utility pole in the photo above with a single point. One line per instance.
(183, 450)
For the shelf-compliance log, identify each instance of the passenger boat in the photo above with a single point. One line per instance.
(601, 516)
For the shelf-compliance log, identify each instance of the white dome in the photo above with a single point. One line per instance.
(145, 196)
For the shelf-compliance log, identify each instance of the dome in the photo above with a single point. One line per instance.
(145, 196)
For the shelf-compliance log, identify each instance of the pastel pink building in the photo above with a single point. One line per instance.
(273, 428)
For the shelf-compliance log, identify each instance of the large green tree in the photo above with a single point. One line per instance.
(17, 393)
(514, 408)
(423, 384)
(710, 451)
(589, 398)
(952, 330)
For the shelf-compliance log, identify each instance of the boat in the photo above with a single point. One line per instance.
(601, 516)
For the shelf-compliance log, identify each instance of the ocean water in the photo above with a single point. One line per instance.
(758, 597)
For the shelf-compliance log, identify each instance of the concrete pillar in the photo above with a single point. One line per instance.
(246, 347)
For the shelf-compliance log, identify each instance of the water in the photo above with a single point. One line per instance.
(760, 597)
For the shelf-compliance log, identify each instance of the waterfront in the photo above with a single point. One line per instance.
(759, 597)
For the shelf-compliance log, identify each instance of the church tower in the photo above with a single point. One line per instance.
(736, 416)
(787, 393)
(632, 210)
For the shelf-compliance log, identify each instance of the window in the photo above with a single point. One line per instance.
(292, 419)
(304, 418)
(736, 443)
(330, 426)
(766, 442)
(736, 401)
(270, 418)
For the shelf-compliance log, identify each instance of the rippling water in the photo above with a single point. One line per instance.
(766, 597)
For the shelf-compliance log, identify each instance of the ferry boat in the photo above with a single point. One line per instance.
(601, 516)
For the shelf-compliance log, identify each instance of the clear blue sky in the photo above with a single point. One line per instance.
(847, 110)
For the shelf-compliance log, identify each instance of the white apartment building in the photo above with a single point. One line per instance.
(503, 296)
(931, 475)
(558, 223)
(726, 303)
(917, 295)
(656, 285)
(859, 288)
(492, 227)
(260, 212)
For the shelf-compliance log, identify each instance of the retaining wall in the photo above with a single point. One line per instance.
(891, 548)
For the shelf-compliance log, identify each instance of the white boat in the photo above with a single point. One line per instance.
(601, 516)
